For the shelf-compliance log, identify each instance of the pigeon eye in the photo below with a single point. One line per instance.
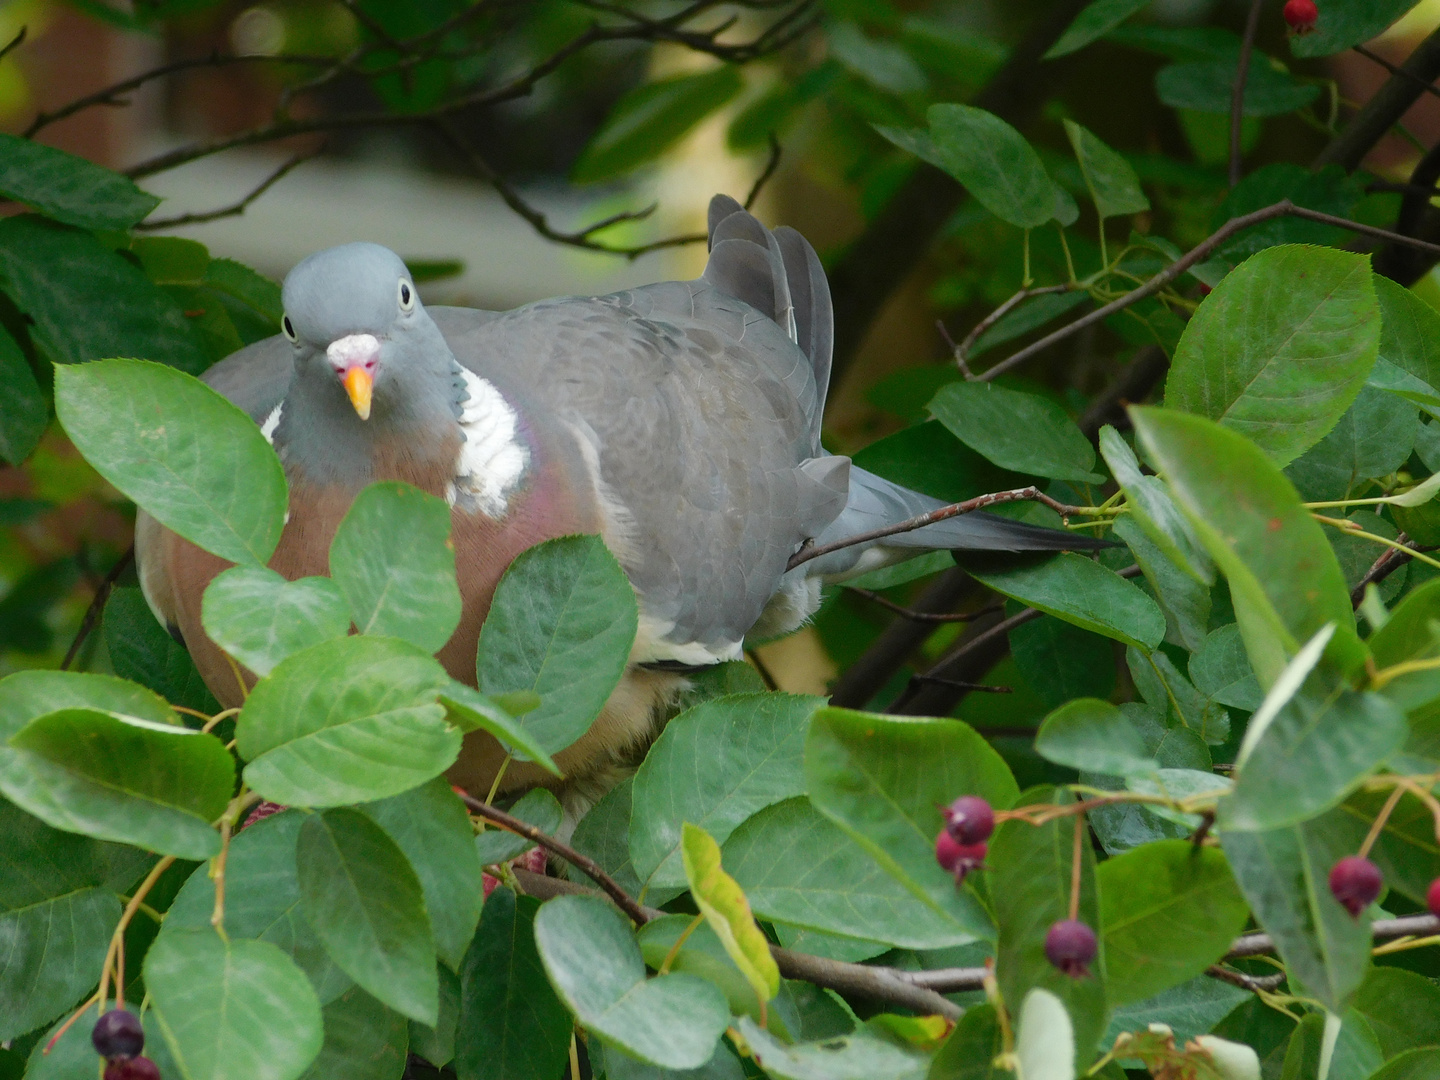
(289, 329)
(407, 297)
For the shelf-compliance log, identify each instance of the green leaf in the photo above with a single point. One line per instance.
(1281, 347)
(430, 826)
(232, 1010)
(363, 900)
(1206, 87)
(727, 912)
(1030, 314)
(619, 1065)
(171, 260)
(88, 302)
(714, 765)
(1061, 661)
(698, 951)
(69, 188)
(1284, 876)
(73, 1055)
(114, 777)
(1029, 880)
(1284, 579)
(437, 1045)
(1080, 591)
(512, 1026)
(592, 960)
(883, 779)
(1184, 601)
(1154, 510)
(1409, 331)
(1023, 432)
(651, 118)
(604, 835)
(871, 1053)
(259, 618)
(1094, 22)
(994, 162)
(363, 1040)
(798, 867)
(393, 560)
(244, 285)
(1219, 669)
(470, 710)
(1402, 1008)
(536, 807)
(1094, 736)
(883, 63)
(1373, 438)
(1411, 1065)
(1114, 187)
(348, 720)
(262, 900)
(970, 1051)
(182, 452)
(1168, 911)
(562, 624)
(23, 411)
(1342, 26)
(141, 650)
(55, 920)
(1319, 746)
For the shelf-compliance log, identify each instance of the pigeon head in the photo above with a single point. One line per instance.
(354, 317)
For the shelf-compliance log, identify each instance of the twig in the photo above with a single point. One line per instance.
(1283, 208)
(14, 42)
(1386, 564)
(771, 164)
(961, 352)
(982, 688)
(922, 616)
(1397, 70)
(865, 980)
(584, 863)
(97, 604)
(1237, 93)
(1253, 983)
(1385, 107)
(237, 208)
(940, 513)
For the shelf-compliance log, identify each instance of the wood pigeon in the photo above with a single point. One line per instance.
(679, 421)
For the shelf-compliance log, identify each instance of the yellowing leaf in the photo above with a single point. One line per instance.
(725, 908)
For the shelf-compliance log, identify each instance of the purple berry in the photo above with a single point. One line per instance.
(1070, 946)
(1356, 882)
(956, 857)
(969, 819)
(1432, 898)
(118, 1034)
(136, 1068)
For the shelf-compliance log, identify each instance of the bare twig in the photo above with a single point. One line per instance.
(1197, 254)
(1237, 93)
(771, 164)
(973, 687)
(922, 616)
(1398, 71)
(97, 604)
(941, 513)
(1386, 564)
(961, 352)
(583, 863)
(1253, 983)
(237, 208)
(14, 42)
(1385, 107)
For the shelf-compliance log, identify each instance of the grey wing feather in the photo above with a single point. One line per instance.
(256, 378)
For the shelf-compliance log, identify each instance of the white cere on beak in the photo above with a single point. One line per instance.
(353, 350)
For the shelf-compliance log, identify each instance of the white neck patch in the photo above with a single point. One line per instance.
(271, 423)
(491, 459)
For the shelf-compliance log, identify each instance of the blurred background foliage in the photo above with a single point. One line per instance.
(482, 140)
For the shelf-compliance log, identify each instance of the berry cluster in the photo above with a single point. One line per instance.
(961, 845)
(119, 1038)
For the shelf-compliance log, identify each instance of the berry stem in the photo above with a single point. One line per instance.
(1075, 863)
(679, 942)
(117, 939)
(233, 813)
(70, 1023)
(1380, 820)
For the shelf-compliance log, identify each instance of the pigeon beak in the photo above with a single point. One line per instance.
(354, 358)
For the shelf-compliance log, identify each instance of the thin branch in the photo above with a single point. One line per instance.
(237, 208)
(14, 42)
(1283, 208)
(922, 616)
(941, 513)
(584, 863)
(1397, 71)
(961, 352)
(97, 604)
(974, 687)
(1253, 983)
(1386, 564)
(1385, 108)
(771, 164)
(1237, 93)
(884, 984)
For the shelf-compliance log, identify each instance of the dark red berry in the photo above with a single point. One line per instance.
(969, 819)
(136, 1068)
(1300, 15)
(1070, 946)
(1432, 898)
(1356, 883)
(118, 1034)
(956, 857)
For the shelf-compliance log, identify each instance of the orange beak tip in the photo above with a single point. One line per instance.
(359, 385)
